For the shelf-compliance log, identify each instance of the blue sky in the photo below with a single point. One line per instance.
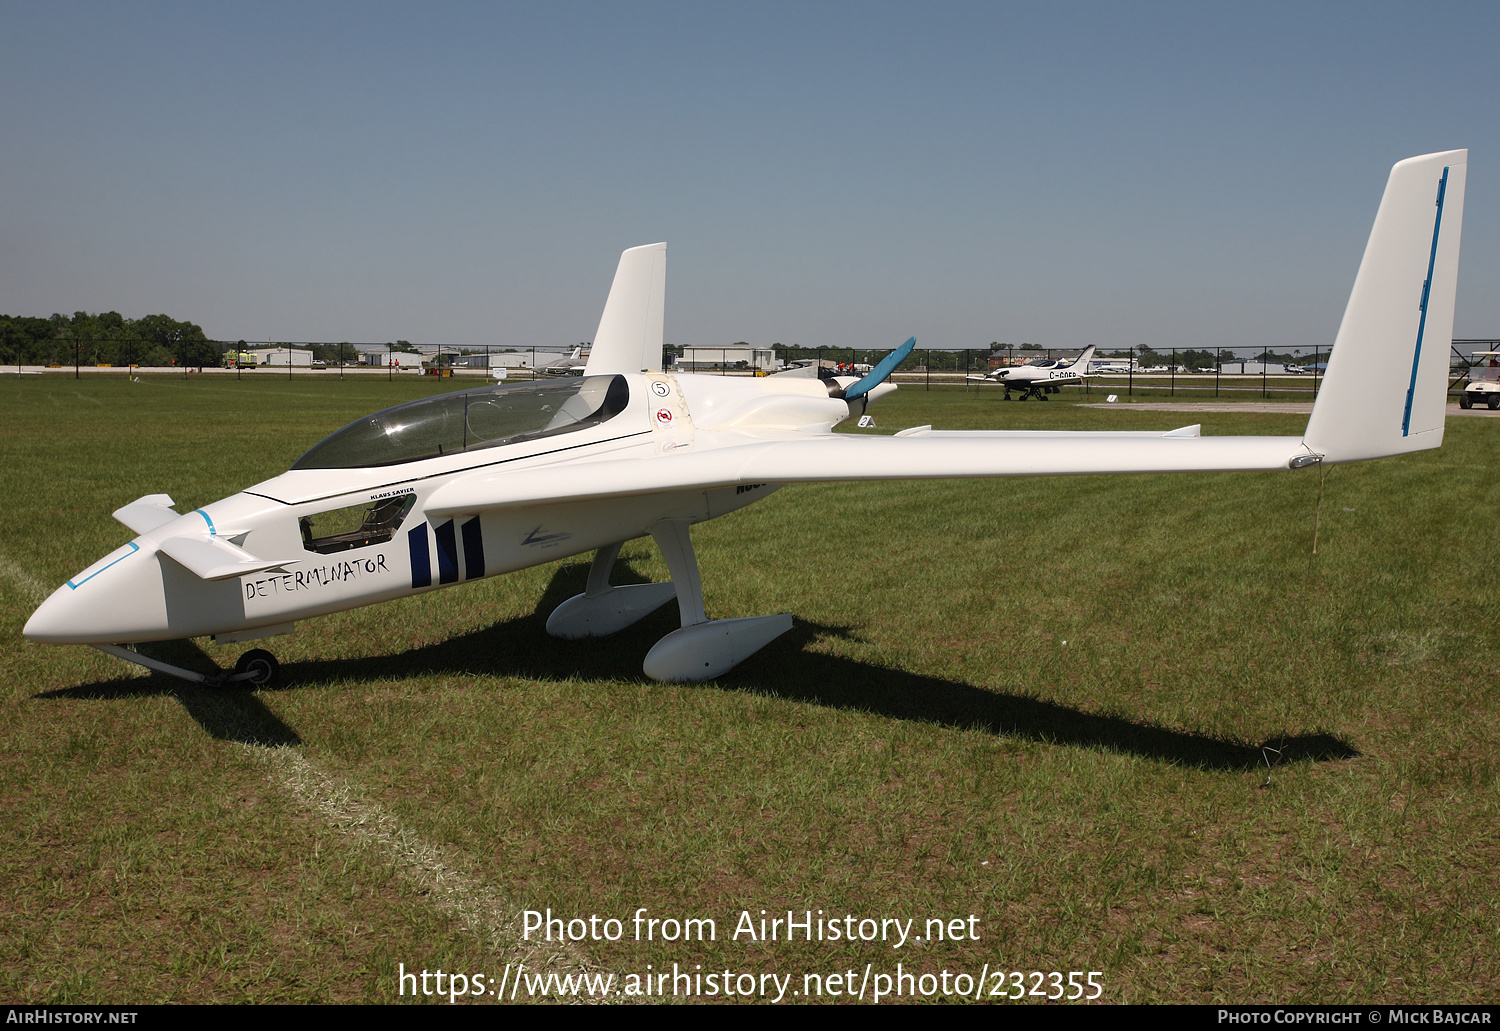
(844, 174)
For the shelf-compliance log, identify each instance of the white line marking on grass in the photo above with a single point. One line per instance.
(30, 586)
(484, 911)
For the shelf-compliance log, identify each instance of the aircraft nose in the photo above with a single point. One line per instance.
(119, 598)
(49, 623)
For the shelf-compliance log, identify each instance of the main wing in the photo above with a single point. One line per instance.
(732, 459)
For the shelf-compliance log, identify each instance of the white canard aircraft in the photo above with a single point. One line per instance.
(484, 481)
(1042, 376)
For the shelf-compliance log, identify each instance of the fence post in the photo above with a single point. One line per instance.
(1172, 392)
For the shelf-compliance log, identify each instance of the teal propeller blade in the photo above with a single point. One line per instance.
(880, 372)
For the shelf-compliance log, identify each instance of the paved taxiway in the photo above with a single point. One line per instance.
(1277, 407)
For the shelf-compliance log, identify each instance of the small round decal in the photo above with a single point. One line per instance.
(664, 416)
(659, 388)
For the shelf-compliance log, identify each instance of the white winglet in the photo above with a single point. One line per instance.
(1387, 385)
(630, 330)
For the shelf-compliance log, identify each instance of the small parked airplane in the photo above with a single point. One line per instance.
(1041, 377)
(477, 482)
(572, 365)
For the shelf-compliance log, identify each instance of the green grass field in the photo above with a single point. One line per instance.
(1038, 702)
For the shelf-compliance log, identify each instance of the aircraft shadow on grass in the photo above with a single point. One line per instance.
(522, 648)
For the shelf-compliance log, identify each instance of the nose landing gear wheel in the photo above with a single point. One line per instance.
(256, 668)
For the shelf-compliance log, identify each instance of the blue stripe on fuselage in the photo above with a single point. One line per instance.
(447, 552)
(473, 550)
(421, 561)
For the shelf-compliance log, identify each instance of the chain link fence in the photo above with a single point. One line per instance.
(1218, 372)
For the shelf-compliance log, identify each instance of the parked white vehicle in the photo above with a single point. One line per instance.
(1483, 387)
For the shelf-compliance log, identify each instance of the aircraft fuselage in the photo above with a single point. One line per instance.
(139, 593)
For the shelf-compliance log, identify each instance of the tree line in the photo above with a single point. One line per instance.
(104, 339)
(156, 341)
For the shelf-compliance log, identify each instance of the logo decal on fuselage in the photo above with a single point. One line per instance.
(537, 539)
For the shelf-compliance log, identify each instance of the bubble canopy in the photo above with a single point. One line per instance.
(470, 419)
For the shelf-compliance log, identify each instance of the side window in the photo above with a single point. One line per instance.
(357, 526)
